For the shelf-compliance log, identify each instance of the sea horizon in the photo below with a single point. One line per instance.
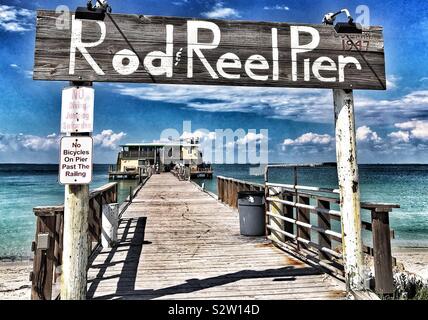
(403, 185)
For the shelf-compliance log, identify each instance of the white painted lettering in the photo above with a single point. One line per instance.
(77, 44)
(297, 48)
(256, 62)
(194, 46)
(319, 66)
(229, 60)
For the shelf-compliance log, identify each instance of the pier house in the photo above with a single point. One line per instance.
(135, 158)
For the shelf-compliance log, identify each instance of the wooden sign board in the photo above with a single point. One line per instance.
(149, 49)
(77, 110)
(75, 165)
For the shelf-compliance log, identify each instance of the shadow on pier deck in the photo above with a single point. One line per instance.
(177, 242)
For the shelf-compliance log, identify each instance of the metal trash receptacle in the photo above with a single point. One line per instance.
(251, 207)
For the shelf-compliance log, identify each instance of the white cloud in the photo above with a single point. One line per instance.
(221, 12)
(392, 81)
(416, 129)
(19, 69)
(108, 139)
(17, 142)
(199, 134)
(400, 136)
(16, 19)
(251, 137)
(310, 138)
(180, 2)
(297, 104)
(365, 134)
(309, 143)
(277, 7)
(389, 111)
(294, 104)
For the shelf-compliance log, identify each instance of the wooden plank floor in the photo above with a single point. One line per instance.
(177, 242)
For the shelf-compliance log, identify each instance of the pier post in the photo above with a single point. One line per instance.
(76, 248)
(347, 170)
(76, 244)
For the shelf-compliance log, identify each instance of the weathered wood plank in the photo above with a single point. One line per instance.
(240, 53)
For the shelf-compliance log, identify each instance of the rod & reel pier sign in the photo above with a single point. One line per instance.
(154, 49)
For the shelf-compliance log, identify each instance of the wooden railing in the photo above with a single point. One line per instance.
(289, 225)
(182, 173)
(48, 243)
(228, 188)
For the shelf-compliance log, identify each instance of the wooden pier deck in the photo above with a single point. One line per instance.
(177, 242)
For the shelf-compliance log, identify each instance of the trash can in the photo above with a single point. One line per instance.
(251, 207)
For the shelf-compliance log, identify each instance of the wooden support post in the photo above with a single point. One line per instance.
(76, 246)
(76, 243)
(324, 223)
(347, 170)
(382, 253)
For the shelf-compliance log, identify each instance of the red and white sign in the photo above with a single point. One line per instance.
(77, 110)
(76, 160)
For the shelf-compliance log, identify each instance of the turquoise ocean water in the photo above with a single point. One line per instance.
(23, 187)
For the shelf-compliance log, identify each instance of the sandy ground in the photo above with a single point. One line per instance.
(414, 260)
(15, 284)
(14, 280)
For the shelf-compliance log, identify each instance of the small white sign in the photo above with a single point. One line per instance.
(77, 110)
(75, 160)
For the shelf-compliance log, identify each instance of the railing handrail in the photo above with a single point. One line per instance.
(379, 206)
(58, 208)
(49, 226)
(292, 205)
(304, 165)
(241, 181)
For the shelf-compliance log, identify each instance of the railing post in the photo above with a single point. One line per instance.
(303, 215)
(277, 209)
(229, 192)
(288, 213)
(382, 252)
(235, 194)
(219, 191)
(324, 223)
(44, 258)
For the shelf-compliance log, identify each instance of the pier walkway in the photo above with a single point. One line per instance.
(178, 242)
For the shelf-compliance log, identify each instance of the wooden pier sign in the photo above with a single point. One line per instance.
(149, 49)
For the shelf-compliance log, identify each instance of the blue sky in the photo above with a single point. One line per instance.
(392, 125)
